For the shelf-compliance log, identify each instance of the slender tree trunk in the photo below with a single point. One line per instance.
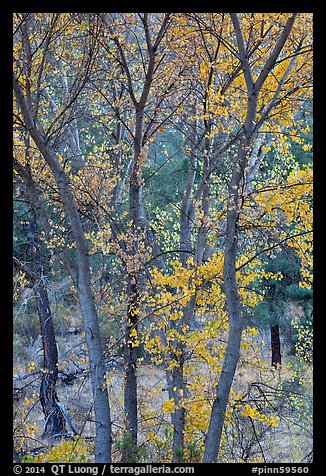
(186, 214)
(179, 415)
(202, 231)
(95, 353)
(234, 209)
(235, 317)
(186, 203)
(276, 358)
(130, 385)
(133, 290)
(203, 192)
(136, 278)
(55, 422)
(175, 377)
(15, 456)
(222, 393)
(92, 329)
(276, 346)
(54, 418)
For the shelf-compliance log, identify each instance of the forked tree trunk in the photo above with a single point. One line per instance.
(235, 319)
(133, 282)
(234, 205)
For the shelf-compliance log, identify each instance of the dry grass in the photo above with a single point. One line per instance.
(290, 441)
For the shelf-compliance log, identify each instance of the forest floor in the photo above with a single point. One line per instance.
(246, 439)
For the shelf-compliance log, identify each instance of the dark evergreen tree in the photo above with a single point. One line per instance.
(279, 293)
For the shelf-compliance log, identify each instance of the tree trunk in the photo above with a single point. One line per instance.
(232, 352)
(103, 440)
(136, 279)
(216, 424)
(133, 290)
(234, 310)
(231, 246)
(186, 203)
(15, 456)
(276, 346)
(130, 386)
(270, 297)
(54, 420)
(40, 262)
(179, 415)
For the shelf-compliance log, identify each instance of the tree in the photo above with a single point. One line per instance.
(28, 101)
(251, 126)
(54, 417)
(143, 79)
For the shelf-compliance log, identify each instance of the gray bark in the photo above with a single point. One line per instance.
(222, 394)
(234, 314)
